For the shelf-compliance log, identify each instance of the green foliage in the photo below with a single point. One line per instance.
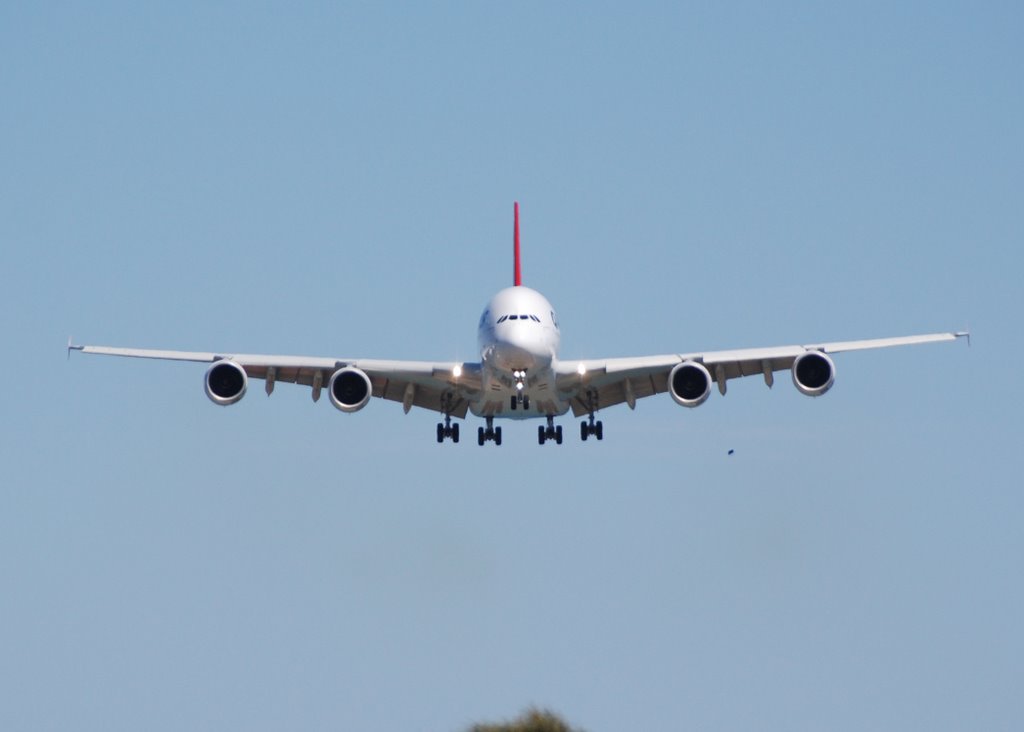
(534, 720)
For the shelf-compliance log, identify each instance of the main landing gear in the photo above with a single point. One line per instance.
(590, 427)
(551, 432)
(490, 433)
(447, 429)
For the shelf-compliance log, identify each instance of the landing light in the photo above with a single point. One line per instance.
(581, 369)
(457, 370)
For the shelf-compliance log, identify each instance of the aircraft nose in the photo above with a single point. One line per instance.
(512, 355)
(519, 337)
(522, 346)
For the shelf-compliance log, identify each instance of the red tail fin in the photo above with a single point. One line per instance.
(518, 272)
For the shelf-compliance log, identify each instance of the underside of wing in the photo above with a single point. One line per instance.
(595, 384)
(438, 386)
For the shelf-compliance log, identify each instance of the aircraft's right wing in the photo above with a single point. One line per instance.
(601, 383)
(429, 385)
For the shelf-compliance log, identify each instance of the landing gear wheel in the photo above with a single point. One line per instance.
(513, 402)
(455, 433)
(440, 432)
(487, 434)
(550, 432)
(590, 426)
(526, 402)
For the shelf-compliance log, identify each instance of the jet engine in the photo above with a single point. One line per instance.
(689, 383)
(813, 373)
(225, 382)
(350, 389)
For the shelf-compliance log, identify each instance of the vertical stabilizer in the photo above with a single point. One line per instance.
(518, 281)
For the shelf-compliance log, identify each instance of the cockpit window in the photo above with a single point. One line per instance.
(503, 318)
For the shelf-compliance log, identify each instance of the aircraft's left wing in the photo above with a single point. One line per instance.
(602, 383)
(425, 384)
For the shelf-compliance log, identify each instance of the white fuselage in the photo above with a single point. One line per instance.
(519, 338)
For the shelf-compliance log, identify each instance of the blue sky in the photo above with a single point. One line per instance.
(338, 181)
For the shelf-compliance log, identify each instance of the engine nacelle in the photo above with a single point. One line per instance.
(689, 383)
(350, 389)
(225, 382)
(813, 373)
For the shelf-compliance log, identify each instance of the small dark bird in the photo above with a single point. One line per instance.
(731, 452)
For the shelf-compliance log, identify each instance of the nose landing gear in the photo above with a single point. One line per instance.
(519, 399)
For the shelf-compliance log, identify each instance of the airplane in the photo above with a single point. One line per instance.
(519, 374)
